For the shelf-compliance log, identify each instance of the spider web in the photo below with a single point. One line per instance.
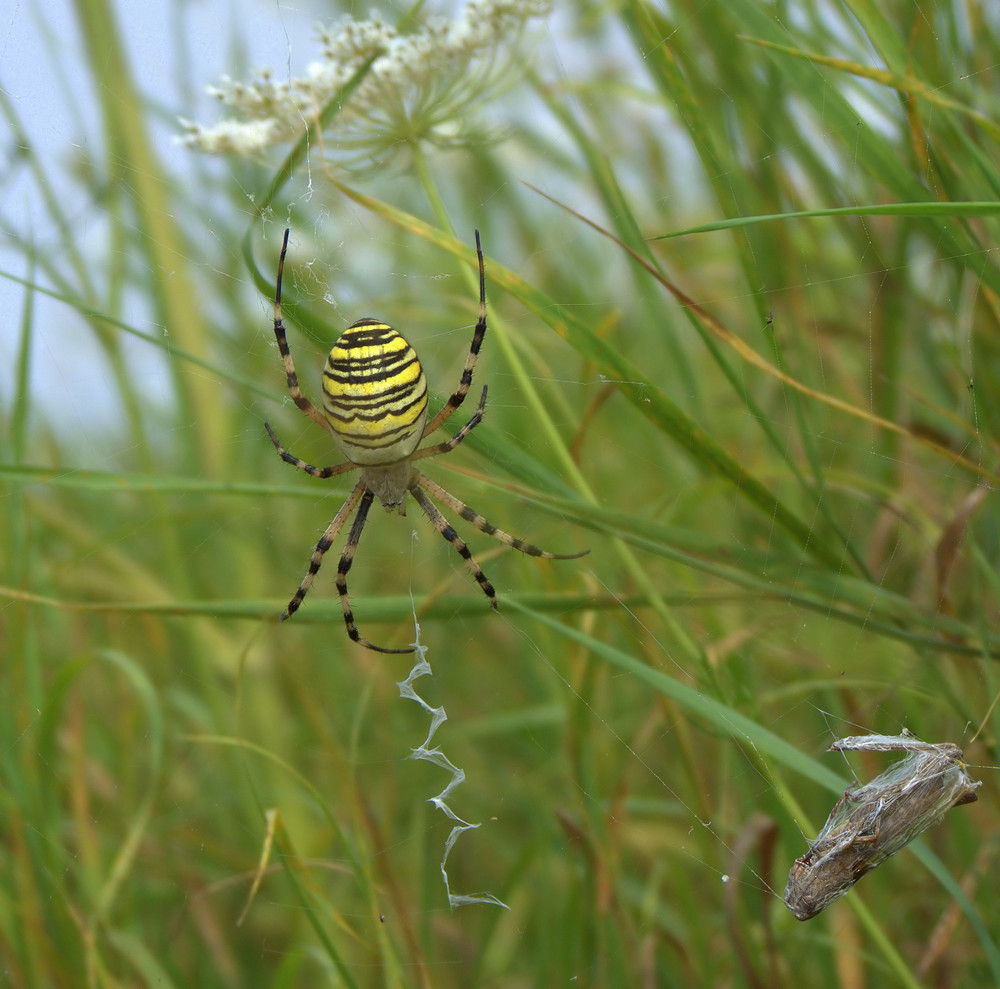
(436, 757)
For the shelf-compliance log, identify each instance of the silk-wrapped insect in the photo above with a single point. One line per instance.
(872, 822)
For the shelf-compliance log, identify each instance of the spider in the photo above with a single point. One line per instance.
(375, 407)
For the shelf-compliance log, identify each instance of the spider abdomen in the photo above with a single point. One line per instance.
(374, 394)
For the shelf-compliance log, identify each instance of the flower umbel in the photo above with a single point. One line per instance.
(421, 86)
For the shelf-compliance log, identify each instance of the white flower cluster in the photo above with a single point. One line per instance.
(419, 86)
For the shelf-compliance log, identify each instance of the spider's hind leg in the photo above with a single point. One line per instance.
(478, 333)
(291, 377)
(290, 458)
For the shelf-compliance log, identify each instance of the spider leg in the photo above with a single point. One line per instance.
(345, 564)
(446, 529)
(483, 525)
(470, 362)
(433, 451)
(326, 540)
(290, 458)
(286, 355)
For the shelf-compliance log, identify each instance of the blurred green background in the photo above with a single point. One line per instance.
(743, 314)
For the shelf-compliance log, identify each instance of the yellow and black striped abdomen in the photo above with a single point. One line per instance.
(374, 394)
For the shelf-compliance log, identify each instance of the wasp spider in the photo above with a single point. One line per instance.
(375, 406)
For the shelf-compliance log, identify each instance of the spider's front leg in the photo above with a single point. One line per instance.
(344, 566)
(447, 530)
(325, 542)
